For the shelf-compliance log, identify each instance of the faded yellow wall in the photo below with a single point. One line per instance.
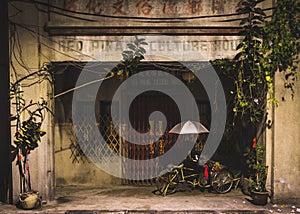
(41, 159)
(283, 147)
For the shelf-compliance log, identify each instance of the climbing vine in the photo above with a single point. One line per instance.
(268, 46)
(281, 41)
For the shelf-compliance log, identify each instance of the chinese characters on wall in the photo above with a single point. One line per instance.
(155, 8)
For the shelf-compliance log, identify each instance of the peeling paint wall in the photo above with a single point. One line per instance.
(283, 146)
(27, 58)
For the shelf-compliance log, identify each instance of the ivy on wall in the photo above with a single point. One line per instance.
(269, 46)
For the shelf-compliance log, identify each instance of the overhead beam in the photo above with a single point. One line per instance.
(64, 30)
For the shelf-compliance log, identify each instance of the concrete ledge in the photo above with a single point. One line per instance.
(140, 199)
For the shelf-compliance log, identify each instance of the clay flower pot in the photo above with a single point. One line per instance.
(29, 200)
(259, 198)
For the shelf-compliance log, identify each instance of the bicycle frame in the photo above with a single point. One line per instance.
(221, 179)
(185, 177)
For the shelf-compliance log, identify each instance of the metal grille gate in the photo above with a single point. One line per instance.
(86, 135)
(141, 108)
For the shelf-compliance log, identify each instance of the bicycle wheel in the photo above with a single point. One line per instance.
(167, 183)
(222, 182)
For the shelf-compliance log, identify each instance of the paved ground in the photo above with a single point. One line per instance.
(140, 199)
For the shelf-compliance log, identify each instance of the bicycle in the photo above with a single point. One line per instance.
(211, 175)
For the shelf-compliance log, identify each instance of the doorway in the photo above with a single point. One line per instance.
(73, 167)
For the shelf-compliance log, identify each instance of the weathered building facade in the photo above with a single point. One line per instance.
(69, 35)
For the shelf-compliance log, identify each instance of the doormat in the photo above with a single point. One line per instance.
(166, 212)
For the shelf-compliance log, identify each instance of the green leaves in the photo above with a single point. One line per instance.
(28, 132)
(28, 136)
(281, 40)
(258, 170)
(135, 50)
(248, 74)
(131, 57)
(267, 47)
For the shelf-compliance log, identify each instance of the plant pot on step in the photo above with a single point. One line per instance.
(29, 200)
(259, 198)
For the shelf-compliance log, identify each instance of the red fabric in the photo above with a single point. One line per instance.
(206, 172)
(254, 143)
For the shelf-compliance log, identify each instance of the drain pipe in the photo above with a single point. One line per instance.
(273, 133)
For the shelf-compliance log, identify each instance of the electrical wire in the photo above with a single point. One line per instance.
(66, 15)
(83, 85)
(19, 49)
(16, 54)
(11, 45)
(18, 10)
(23, 64)
(51, 40)
(133, 17)
(18, 57)
(233, 20)
(86, 67)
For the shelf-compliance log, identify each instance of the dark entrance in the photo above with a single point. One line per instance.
(66, 74)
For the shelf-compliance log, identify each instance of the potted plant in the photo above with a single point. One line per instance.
(26, 139)
(258, 174)
(27, 120)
